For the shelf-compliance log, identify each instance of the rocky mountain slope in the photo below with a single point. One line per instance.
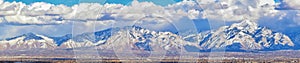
(244, 36)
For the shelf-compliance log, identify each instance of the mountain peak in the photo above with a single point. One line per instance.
(245, 25)
(248, 22)
(136, 27)
(30, 36)
(248, 35)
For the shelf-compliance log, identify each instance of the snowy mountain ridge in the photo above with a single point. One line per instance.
(245, 36)
(29, 40)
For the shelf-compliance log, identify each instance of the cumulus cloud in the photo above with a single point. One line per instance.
(236, 10)
(290, 4)
(1, 1)
(86, 11)
(227, 10)
(44, 13)
(8, 9)
(85, 16)
(19, 13)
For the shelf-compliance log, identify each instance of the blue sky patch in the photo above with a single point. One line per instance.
(73, 2)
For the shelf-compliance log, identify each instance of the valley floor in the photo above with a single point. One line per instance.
(44, 60)
(69, 56)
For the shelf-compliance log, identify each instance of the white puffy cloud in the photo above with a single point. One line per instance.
(266, 2)
(193, 14)
(36, 9)
(87, 15)
(228, 10)
(60, 9)
(30, 20)
(1, 1)
(236, 10)
(10, 8)
(294, 4)
(86, 11)
(44, 13)
(19, 13)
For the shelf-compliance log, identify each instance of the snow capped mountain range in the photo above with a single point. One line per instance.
(244, 36)
(29, 40)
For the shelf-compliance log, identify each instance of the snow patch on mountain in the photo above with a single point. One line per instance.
(28, 41)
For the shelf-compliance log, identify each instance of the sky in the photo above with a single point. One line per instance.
(61, 17)
(74, 2)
